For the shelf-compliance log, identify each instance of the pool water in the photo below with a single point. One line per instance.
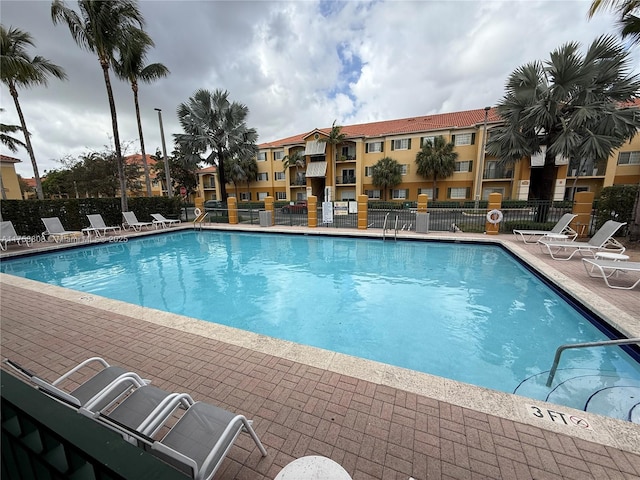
(467, 312)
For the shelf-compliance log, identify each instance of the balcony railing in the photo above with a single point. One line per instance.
(498, 174)
(209, 186)
(346, 179)
(296, 182)
(346, 158)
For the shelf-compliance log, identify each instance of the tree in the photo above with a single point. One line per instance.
(295, 159)
(103, 27)
(182, 171)
(335, 138)
(6, 139)
(214, 126)
(386, 174)
(573, 106)
(436, 159)
(131, 66)
(628, 21)
(19, 70)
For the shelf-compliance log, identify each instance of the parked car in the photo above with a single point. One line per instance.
(298, 207)
(212, 205)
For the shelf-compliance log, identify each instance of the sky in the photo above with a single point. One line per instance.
(297, 65)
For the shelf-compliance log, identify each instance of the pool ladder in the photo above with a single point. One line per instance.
(384, 227)
(562, 348)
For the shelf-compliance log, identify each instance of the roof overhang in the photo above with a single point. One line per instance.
(316, 169)
(315, 147)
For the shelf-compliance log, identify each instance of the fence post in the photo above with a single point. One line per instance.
(582, 206)
(268, 206)
(232, 205)
(423, 199)
(363, 212)
(312, 211)
(495, 202)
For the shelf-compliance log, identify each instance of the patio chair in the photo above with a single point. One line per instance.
(131, 221)
(606, 269)
(602, 241)
(55, 230)
(98, 225)
(8, 235)
(101, 390)
(161, 220)
(560, 228)
(197, 443)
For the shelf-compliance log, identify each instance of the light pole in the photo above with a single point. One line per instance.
(478, 189)
(167, 173)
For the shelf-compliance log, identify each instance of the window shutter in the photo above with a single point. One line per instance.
(366, 148)
(470, 166)
(409, 146)
(382, 146)
(448, 192)
(468, 192)
(473, 139)
(421, 142)
(453, 139)
(393, 146)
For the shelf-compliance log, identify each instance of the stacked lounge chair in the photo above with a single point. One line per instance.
(602, 241)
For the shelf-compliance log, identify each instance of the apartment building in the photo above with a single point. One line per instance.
(344, 171)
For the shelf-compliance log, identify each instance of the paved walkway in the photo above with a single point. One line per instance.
(375, 431)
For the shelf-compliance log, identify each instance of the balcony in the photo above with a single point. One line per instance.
(209, 185)
(301, 180)
(498, 174)
(346, 180)
(346, 158)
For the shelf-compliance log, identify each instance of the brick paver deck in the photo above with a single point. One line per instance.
(374, 431)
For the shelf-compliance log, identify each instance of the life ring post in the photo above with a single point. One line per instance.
(494, 215)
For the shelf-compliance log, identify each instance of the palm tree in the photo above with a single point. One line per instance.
(436, 159)
(6, 139)
(131, 66)
(628, 10)
(214, 125)
(572, 105)
(295, 159)
(335, 138)
(101, 28)
(19, 69)
(386, 174)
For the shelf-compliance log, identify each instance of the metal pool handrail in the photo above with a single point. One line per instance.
(562, 348)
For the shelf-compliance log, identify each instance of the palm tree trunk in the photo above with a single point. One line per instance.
(27, 140)
(223, 180)
(147, 178)
(116, 137)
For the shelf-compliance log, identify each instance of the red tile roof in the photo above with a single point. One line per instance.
(424, 123)
(7, 159)
(137, 158)
(211, 169)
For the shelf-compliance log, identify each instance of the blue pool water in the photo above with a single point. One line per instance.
(467, 312)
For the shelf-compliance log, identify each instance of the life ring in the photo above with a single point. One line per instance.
(494, 216)
(197, 212)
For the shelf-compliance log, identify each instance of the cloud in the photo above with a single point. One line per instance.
(297, 65)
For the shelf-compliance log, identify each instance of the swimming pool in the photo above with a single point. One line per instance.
(467, 312)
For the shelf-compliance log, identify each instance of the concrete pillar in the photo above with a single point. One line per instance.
(495, 203)
(363, 212)
(232, 205)
(312, 211)
(423, 199)
(268, 206)
(582, 206)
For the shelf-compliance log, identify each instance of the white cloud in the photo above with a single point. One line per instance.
(284, 60)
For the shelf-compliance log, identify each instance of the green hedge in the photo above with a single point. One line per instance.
(616, 203)
(26, 214)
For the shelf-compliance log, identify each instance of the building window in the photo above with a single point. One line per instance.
(426, 191)
(400, 194)
(280, 176)
(262, 156)
(401, 144)
(464, 166)
(488, 191)
(262, 195)
(281, 195)
(464, 139)
(263, 177)
(245, 196)
(279, 155)
(373, 194)
(424, 140)
(404, 169)
(629, 158)
(368, 171)
(372, 147)
(459, 193)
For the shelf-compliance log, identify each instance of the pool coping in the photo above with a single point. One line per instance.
(604, 430)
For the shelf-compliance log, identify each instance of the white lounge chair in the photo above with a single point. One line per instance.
(98, 225)
(131, 221)
(560, 228)
(607, 269)
(56, 231)
(602, 241)
(160, 220)
(8, 235)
